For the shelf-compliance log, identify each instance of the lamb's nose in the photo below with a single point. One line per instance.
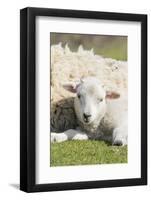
(86, 115)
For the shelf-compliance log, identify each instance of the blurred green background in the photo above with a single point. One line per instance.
(105, 45)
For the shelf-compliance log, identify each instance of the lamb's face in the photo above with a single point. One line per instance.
(90, 104)
(90, 101)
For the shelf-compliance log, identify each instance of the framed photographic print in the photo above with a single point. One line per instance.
(83, 99)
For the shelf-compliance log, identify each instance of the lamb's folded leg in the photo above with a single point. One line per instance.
(120, 136)
(70, 134)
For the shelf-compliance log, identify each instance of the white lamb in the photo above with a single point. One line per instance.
(100, 114)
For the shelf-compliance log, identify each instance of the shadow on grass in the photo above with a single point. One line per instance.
(108, 143)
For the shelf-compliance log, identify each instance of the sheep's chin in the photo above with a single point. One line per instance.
(87, 122)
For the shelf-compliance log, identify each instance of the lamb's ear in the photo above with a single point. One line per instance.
(71, 87)
(112, 95)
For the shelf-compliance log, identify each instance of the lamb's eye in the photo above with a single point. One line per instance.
(79, 96)
(100, 99)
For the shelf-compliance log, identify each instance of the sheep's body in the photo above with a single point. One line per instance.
(67, 65)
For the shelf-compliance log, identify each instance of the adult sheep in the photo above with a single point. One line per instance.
(68, 66)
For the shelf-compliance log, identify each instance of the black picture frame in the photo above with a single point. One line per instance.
(28, 99)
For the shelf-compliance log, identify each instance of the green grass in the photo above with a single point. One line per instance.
(86, 152)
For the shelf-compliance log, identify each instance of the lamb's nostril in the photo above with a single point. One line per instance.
(86, 116)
